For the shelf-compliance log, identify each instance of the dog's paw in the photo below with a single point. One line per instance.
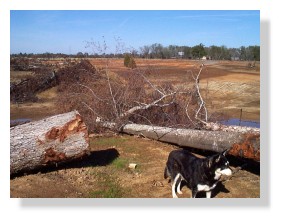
(179, 192)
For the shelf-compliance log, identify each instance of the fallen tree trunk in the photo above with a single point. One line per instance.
(52, 140)
(244, 144)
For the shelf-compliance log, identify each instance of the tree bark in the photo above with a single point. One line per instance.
(48, 141)
(243, 144)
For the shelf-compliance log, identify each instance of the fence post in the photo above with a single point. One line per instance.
(240, 116)
(207, 90)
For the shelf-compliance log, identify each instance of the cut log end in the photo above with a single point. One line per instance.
(248, 148)
(52, 156)
(71, 127)
(49, 141)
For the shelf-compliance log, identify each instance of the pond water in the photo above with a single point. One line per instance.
(236, 121)
(19, 121)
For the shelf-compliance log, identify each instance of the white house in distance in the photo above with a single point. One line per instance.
(181, 54)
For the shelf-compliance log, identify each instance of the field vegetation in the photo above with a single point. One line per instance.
(231, 89)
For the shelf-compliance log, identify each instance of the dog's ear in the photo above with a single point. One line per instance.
(210, 161)
(218, 158)
(224, 153)
(213, 159)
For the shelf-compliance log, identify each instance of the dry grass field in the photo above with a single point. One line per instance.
(226, 86)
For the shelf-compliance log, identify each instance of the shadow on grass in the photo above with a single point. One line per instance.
(218, 189)
(96, 158)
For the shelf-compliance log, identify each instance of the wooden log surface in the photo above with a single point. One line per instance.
(243, 144)
(48, 141)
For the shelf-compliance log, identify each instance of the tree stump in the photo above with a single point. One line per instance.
(48, 141)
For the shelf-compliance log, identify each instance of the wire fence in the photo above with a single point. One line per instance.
(238, 102)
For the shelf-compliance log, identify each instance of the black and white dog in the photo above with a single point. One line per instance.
(200, 174)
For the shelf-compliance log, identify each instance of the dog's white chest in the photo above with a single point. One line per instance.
(202, 187)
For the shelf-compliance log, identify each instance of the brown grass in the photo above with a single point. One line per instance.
(17, 76)
(105, 172)
(226, 86)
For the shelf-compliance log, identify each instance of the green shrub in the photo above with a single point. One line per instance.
(129, 61)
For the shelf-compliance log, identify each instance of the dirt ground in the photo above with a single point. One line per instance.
(105, 173)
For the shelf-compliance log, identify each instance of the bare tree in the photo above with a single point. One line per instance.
(130, 98)
(145, 51)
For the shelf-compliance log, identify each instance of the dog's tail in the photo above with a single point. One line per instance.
(166, 173)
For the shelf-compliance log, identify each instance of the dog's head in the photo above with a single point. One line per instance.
(219, 164)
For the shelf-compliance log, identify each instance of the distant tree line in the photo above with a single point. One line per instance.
(158, 51)
(199, 51)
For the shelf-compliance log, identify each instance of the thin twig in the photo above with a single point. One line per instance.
(202, 102)
(111, 93)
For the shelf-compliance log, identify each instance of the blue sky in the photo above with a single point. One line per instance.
(66, 31)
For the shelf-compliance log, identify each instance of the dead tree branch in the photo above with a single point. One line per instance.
(128, 97)
(147, 106)
(112, 95)
(202, 103)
